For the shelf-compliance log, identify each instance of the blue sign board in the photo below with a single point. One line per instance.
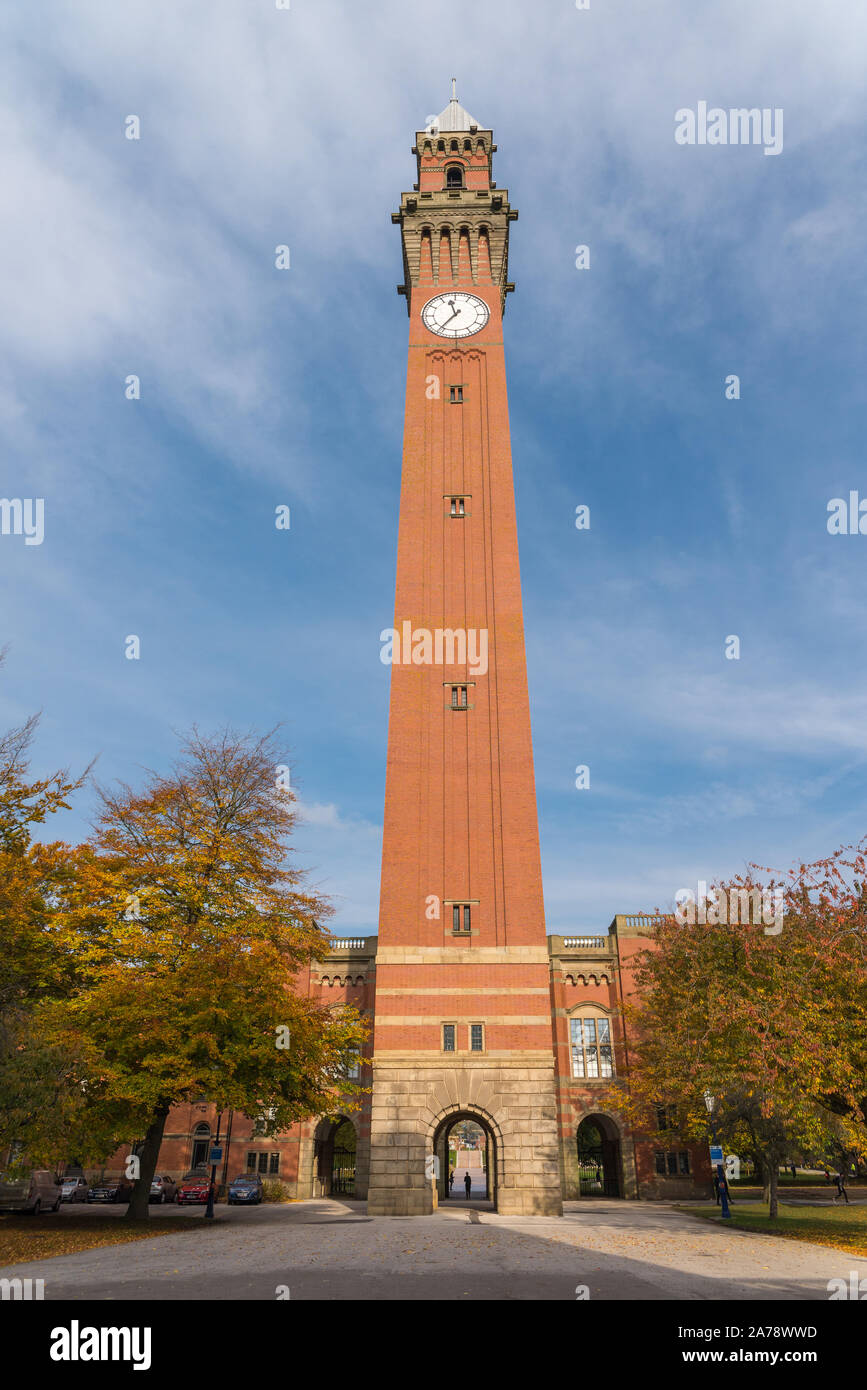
(217, 1154)
(716, 1153)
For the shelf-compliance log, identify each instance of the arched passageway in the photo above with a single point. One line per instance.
(464, 1145)
(334, 1158)
(599, 1157)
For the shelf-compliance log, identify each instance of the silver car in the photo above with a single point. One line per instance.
(36, 1191)
(74, 1190)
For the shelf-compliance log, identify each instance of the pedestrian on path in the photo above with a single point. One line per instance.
(468, 1185)
(451, 1178)
(841, 1187)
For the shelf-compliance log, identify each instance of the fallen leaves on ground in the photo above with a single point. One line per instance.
(26, 1238)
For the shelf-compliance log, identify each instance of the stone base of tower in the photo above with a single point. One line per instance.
(415, 1099)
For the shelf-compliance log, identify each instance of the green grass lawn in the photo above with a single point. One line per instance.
(844, 1228)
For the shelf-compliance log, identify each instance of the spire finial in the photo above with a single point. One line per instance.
(454, 89)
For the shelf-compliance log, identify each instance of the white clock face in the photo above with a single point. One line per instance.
(455, 314)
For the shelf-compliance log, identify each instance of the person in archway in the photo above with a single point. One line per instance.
(451, 1179)
(468, 1185)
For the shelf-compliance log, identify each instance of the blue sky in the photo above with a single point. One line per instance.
(259, 387)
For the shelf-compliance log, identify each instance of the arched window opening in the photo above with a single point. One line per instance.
(201, 1146)
(454, 176)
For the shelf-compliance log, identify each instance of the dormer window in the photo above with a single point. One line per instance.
(454, 176)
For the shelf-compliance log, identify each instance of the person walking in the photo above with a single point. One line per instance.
(468, 1185)
(841, 1187)
(451, 1179)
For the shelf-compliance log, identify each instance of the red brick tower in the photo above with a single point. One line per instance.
(462, 1020)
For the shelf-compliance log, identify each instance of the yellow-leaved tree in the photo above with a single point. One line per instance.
(189, 926)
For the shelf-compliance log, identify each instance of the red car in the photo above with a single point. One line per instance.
(194, 1187)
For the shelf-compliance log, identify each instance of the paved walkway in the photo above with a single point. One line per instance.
(333, 1250)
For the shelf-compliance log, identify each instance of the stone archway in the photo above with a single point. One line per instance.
(335, 1146)
(446, 1128)
(600, 1157)
(408, 1108)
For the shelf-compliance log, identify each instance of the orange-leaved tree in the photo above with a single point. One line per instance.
(190, 926)
(762, 1017)
(36, 1104)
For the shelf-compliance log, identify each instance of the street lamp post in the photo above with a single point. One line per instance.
(720, 1171)
(215, 1158)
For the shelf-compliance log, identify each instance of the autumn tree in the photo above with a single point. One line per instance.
(34, 965)
(190, 926)
(769, 1022)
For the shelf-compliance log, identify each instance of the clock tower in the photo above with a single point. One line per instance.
(462, 1024)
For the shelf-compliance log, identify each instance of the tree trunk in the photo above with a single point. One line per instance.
(763, 1172)
(138, 1205)
(772, 1195)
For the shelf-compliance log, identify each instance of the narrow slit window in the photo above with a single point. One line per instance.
(477, 1037)
(458, 506)
(448, 1037)
(459, 697)
(461, 918)
(456, 395)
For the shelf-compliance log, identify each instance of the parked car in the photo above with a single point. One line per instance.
(111, 1190)
(163, 1190)
(36, 1191)
(74, 1189)
(194, 1187)
(246, 1187)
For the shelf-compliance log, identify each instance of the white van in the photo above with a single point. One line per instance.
(36, 1191)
